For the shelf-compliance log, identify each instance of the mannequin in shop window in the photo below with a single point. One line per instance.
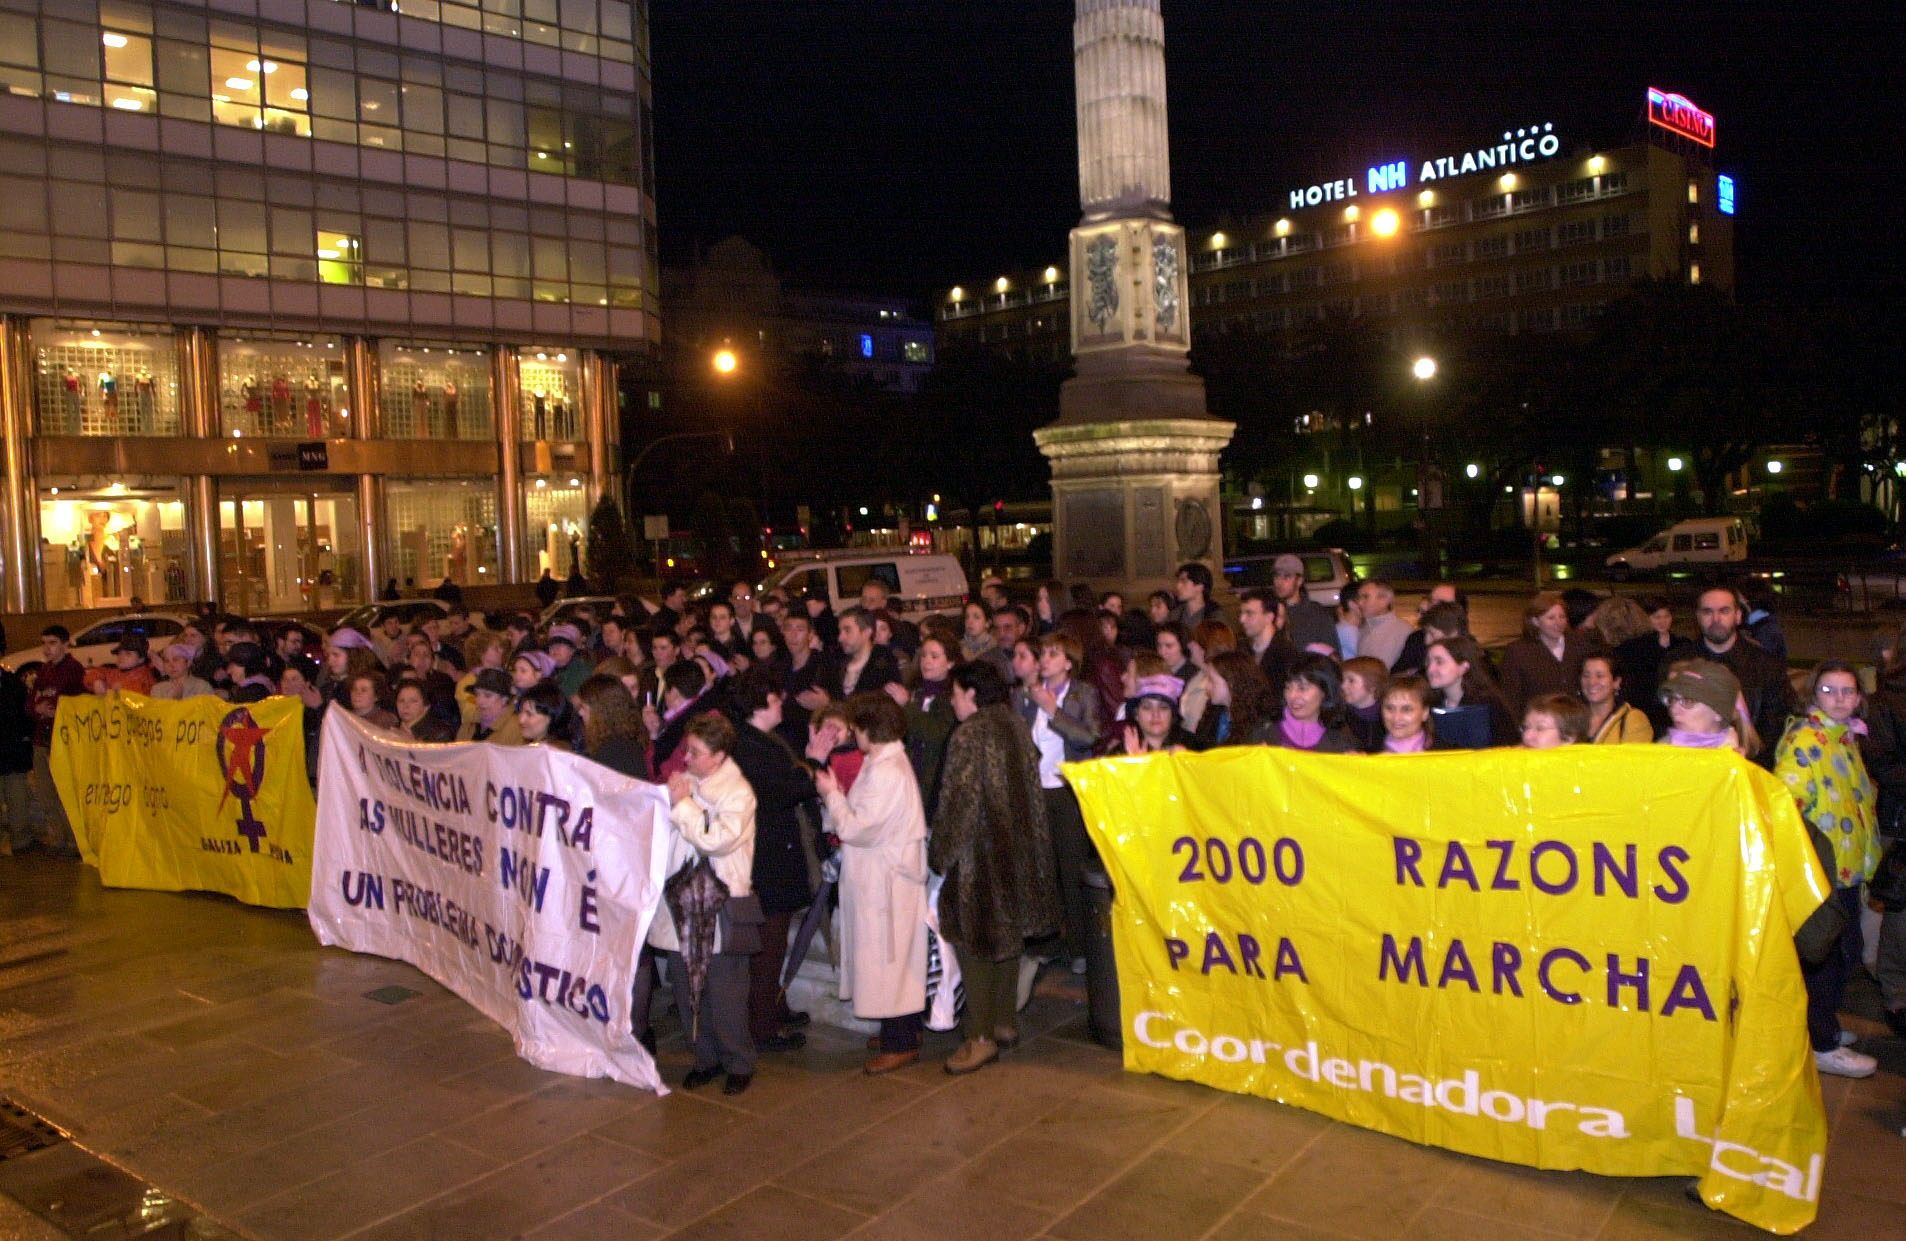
(280, 403)
(72, 393)
(420, 407)
(144, 406)
(109, 398)
(254, 403)
(313, 408)
(457, 568)
(540, 403)
(449, 410)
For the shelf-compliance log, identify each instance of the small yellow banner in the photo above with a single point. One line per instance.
(1578, 958)
(199, 795)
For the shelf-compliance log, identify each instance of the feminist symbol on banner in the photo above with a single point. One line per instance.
(241, 756)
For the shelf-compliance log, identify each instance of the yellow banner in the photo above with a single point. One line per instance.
(197, 795)
(1579, 958)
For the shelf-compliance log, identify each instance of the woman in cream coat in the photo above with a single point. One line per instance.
(883, 883)
(714, 819)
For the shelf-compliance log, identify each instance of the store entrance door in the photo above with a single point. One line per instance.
(285, 549)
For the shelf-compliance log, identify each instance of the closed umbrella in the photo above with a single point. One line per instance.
(811, 925)
(695, 896)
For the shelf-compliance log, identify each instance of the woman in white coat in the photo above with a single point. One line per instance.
(883, 882)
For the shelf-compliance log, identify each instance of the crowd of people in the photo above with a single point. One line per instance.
(920, 756)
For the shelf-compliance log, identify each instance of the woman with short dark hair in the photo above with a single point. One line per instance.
(882, 829)
(1313, 709)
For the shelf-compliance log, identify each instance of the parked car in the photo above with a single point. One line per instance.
(93, 645)
(917, 582)
(371, 615)
(1326, 573)
(566, 609)
(1695, 542)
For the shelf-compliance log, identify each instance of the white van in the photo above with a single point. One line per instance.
(1696, 541)
(917, 582)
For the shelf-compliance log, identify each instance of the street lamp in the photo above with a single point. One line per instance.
(1310, 480)
(1675, 464)
(1355, 483)
(1424, 367)
(725, 362)
(1775, 467)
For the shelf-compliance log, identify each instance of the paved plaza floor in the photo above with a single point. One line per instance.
(233, 1078)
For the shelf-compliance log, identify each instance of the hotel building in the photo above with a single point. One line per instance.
(1530, 231)
(298, 296)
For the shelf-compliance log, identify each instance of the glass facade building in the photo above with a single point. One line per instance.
(299, 296)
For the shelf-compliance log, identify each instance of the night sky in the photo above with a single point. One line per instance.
(896, 146)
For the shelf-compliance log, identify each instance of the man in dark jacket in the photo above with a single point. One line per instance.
(1310, 625)
(16, 762)
(1764, 684)
(781, 784)
(60, 676)
(863, 664)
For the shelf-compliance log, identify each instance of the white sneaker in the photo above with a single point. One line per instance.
(1078, 965)
(1028, 974)
(1845, 1062)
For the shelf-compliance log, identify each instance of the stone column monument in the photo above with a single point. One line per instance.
(1134, 453)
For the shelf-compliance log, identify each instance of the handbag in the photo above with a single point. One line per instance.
(1819, 936)
(739, 926)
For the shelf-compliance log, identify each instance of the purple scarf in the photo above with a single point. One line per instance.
(1302, 734)
(1700, 741)
(1414, 745)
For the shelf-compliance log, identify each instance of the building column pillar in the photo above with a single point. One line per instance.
(19, 501)
(505, 394)
(361, 376)
(199, 414)
(599, 391)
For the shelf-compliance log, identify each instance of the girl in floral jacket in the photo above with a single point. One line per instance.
(1819, 758)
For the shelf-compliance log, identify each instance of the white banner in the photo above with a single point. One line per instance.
(521, 878)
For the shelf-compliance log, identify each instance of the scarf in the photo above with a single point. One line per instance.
(1303, 734)
(1409, 745)
(1700, 741)
(929, 690)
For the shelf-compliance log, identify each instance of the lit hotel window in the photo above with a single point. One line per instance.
(1694, 234)
(1694, 192)
(1694, 273)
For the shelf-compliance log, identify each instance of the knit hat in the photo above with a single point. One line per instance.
(1705, 682)
(185, 650)
(539, 660)
(1287, 564)
(1161, 686)
(564, 633)
(348, 639)
(716, 663)
(494, 681)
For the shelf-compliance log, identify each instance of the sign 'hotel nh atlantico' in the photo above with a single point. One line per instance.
(1675, 113)
(1519, 146)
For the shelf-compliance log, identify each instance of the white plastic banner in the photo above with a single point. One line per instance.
(521, 878)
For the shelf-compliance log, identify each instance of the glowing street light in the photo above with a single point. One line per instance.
(1472, 470)
(1557, 479)
(1384, 223)
(1675, 464)
(1355, 482)
(1424, 367)
(1775, 467)
(726, 362)
(1310, 480)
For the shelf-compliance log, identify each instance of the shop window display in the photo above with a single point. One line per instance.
(103, 544)
(551, 383)
(558, 519)
(282, 550)
(434, 392)
(103, 379)
(289, 387)
(442, 528)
